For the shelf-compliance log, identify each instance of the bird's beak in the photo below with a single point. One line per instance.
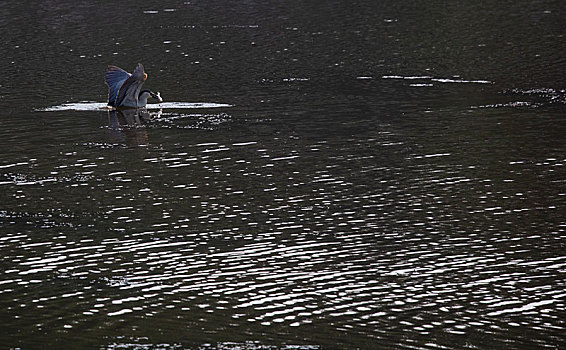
(157, 96)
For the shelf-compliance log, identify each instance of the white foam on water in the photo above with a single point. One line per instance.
(438, 80)
(187, 105)
(96, 106)
(461, 81)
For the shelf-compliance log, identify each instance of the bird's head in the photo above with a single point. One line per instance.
(144, 94)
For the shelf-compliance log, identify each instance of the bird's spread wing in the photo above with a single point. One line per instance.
(129, 91)
(114, 78)
(139, 73)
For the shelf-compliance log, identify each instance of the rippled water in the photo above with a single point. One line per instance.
(333, 176)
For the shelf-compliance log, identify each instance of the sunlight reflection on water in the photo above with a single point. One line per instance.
(96, 106)
(385, 176)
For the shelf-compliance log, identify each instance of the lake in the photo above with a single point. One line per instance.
(321, 175)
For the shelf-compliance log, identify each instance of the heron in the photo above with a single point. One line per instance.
(125, 89)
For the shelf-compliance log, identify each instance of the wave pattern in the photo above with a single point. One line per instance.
(364, 175)
(363, 242)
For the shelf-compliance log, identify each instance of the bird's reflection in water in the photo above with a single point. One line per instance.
(127, 125)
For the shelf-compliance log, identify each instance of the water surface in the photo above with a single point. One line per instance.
(338, 175)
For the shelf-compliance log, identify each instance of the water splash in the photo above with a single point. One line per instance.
(97, 106)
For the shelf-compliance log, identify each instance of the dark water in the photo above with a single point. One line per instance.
(388, 174)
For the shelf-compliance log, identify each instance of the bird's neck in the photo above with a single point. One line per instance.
(142, 99)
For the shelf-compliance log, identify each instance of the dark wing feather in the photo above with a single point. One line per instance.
(129, 91)
(114, 78)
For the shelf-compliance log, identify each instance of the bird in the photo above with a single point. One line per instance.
(125, 89)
